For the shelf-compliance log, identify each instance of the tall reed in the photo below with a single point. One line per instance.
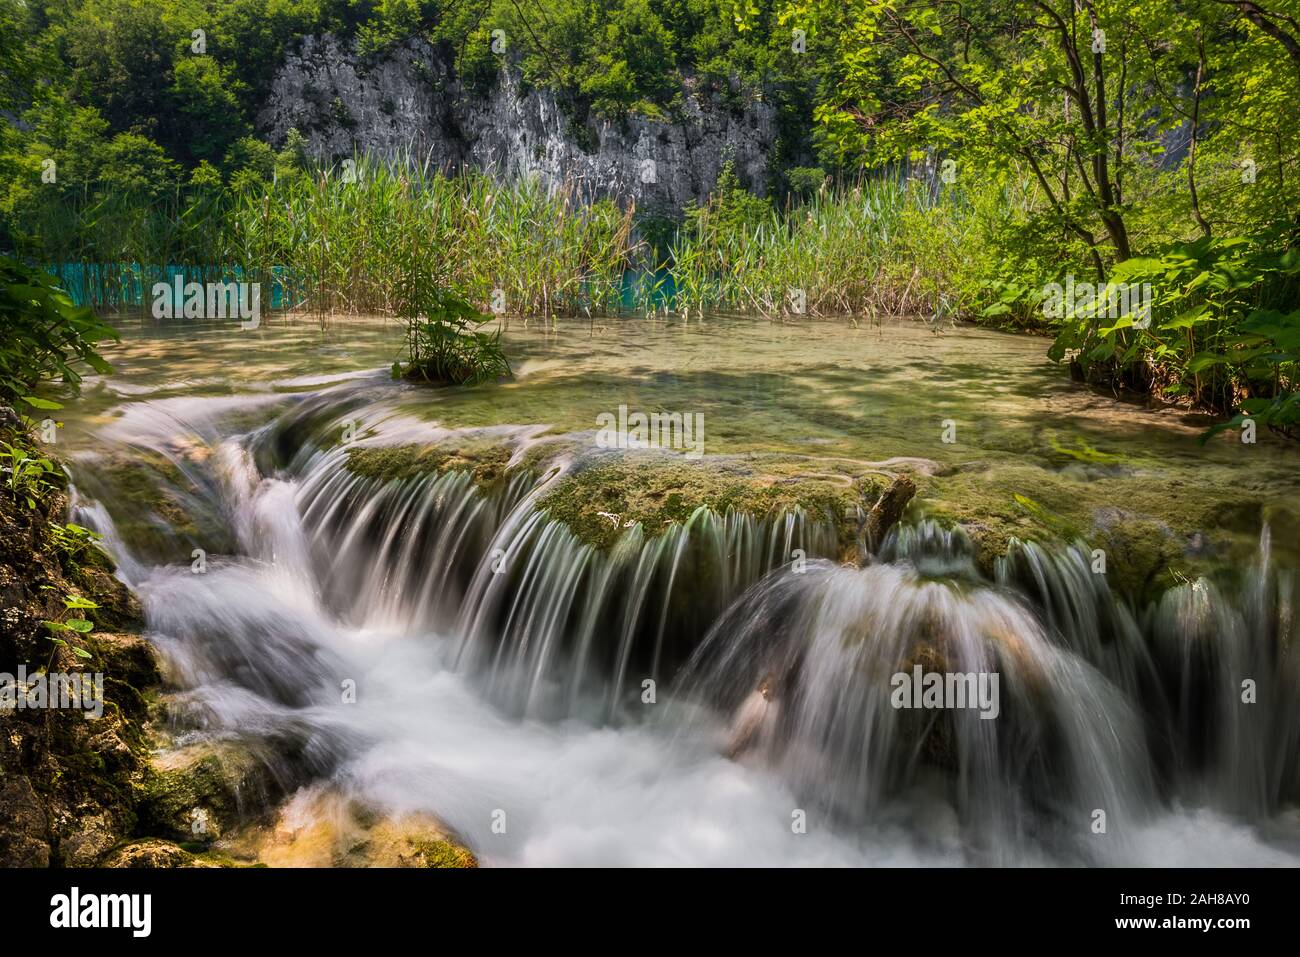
(341, 239)
(882, 247)
(338, 241)
(346, 240)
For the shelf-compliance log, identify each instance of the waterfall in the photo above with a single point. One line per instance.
(556, 627)
(502, 660)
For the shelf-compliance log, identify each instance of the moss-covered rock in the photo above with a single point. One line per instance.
(69, 784)
(25, 839)
(93, 575)
(598, 500)
(155, 497)
(599, 496)
(441, 853)
(486, 461)
(1150, 544)
(154, 853)
(128, 658)
(200, 792)
(321, 827)
(70, 778)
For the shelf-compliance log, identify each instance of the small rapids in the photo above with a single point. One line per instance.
(718, 692)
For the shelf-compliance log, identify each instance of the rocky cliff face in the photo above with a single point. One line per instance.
(408, 100)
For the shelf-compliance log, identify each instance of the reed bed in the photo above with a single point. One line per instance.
(520, 249)
(342, 243)
(332, 242)
(883, 247)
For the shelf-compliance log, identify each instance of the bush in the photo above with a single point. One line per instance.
(45, 334)
(443, 345)
(805, 180)
(1223, 333)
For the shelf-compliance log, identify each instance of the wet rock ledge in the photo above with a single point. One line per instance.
(114, 790)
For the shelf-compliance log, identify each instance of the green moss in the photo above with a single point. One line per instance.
(154, 853)
(136, 476)
(1150, 542)
(443, 853)
(154, 489)
(657, 493)
(1151, 539)
(486, 462)
(118, 608)
(204, 784)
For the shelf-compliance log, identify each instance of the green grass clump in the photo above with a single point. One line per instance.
(884, 247)
(443, 344)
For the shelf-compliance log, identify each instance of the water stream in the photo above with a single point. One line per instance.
(499, 663)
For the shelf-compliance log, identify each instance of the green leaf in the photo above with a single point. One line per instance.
(1205, 360)
(1124, 322)
(1190, 318)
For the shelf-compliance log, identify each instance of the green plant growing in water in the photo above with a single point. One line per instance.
(443, 343)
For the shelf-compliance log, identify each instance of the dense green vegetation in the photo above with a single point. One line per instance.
(443, 343)
(332, 243)
(879, 247)
(1158, 140)
(137, 100)
(934, 159)
(46, 336)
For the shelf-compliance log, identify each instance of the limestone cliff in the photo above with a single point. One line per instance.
(408, 101)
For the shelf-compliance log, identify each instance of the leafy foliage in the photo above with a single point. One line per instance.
(73, 540)
(70, 624)
(1211, 336)
(27, 475)
(46, 335)
(443, 341)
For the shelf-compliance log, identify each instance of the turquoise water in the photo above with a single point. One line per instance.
(128, 285)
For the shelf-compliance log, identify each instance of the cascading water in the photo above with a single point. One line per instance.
(501, 663)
